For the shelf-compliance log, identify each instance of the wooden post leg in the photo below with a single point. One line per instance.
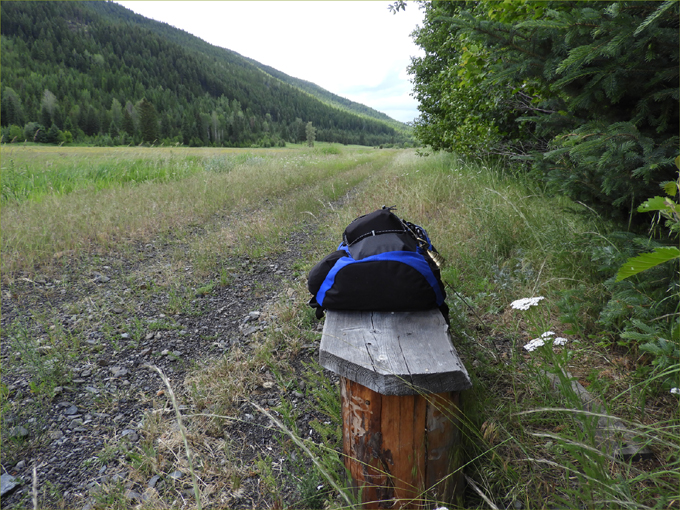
(401, 450)
(404, 436)
(444, 465)
(367, 463)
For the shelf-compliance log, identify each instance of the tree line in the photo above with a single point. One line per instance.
(584, 93)
(582, 97)
(94, 72)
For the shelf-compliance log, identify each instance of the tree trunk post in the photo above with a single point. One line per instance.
(401, 439)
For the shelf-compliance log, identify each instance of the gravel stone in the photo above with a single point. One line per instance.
(7, 484)
(110, 366)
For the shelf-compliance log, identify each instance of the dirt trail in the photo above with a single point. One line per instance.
(77, 401)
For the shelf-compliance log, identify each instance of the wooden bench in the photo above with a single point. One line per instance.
(400, 379)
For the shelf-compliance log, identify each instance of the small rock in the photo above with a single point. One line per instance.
(125, 336)
(102, 362)
(153, 481)
(119, 477)
(131, 435)
(71, 410)
(85, 373)
(145, 352)
(7, 484)
(20, 465)
(56, 434)
(18, 432)
(58, 390)
(118, 371)
(249, 331)
(100, 278)
(298, 394)
(176, 475)
(117, 309)
(149, 336)
(248, 417)
(130, 494)
(268, 385)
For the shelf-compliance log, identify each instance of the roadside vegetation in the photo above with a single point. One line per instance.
(529, 440)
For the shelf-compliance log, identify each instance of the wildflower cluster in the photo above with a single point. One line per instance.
(540, 341)
(526, 303)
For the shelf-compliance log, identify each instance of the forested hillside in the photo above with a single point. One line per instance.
(95, 72)
(330, 98)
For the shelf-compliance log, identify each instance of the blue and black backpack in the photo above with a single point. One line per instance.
(383, 264)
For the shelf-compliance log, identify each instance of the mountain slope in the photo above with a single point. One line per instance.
(330, 98)
(108, 75)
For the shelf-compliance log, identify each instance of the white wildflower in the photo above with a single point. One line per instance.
(526, 303)
(675, 391)
(534, 344)
(548, 334)
(560, 341)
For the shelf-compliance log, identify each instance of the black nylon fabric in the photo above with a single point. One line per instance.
(383, 285)
(373, 245)
(319, 272)
(382, 220)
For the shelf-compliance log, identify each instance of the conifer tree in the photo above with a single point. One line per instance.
(128, 125)
(148, 123)
(310, 131)
(585, 91)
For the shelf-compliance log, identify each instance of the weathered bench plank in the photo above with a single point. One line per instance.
(404, 353)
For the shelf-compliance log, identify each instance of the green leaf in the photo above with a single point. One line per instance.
(653, 204)
(646, 261)
(671, 188)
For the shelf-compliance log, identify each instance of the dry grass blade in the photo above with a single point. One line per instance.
(175, 405)
(304, 448)
(481, 494)
(35, 489)
(639, 428)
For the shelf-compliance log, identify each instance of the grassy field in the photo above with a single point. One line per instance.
(528, 441)
(85, 198)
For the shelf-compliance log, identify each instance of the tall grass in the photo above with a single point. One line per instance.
(527, 444)
(30, 173)
(35, 231)
(504, 238)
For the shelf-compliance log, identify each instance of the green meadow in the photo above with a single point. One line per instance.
(528, 441)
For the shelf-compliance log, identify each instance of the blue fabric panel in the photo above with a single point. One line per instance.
(410, 258)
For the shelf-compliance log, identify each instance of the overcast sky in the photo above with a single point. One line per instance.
(355, 49)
